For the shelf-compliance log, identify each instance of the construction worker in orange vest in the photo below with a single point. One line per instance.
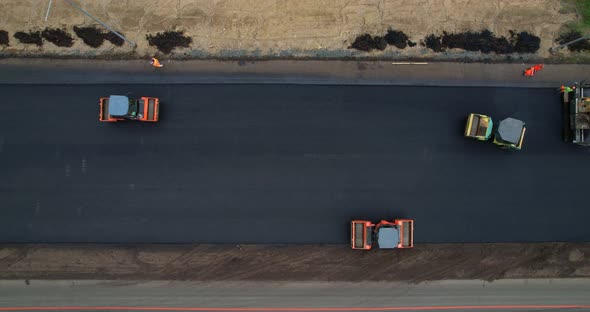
(154, 62)
(566, 89)
(531, 71)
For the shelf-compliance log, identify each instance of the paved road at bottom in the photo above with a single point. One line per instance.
(284, 164)
(504, 295)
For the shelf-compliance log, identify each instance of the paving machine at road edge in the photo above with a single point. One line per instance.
(384, 235)
(576, 114)
(509, 133)
(119, 108)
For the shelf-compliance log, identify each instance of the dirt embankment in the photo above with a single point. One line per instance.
(282, 263)
(364, 29)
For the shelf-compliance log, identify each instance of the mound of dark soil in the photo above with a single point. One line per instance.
(368, 43)
(526, 43)
(58, 37)
(3, 37)
(168, 40)
(90, 35)
(33, 37)
(95, 37)
(582, 45)
(397, 39)
(380, 43)
(484, 42)
(114, 39)
(433, 42)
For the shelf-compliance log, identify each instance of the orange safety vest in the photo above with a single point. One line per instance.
(155, 62)
(529, 72)
(538, 67)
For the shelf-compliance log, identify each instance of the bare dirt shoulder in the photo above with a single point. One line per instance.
(262, 29)
(294, 263)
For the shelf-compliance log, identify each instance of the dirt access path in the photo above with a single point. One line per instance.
(269, 28)
(294, 263)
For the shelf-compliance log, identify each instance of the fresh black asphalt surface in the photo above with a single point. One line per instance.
(284, 164)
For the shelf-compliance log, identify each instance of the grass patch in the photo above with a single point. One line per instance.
(575, 29)
(582, 9)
